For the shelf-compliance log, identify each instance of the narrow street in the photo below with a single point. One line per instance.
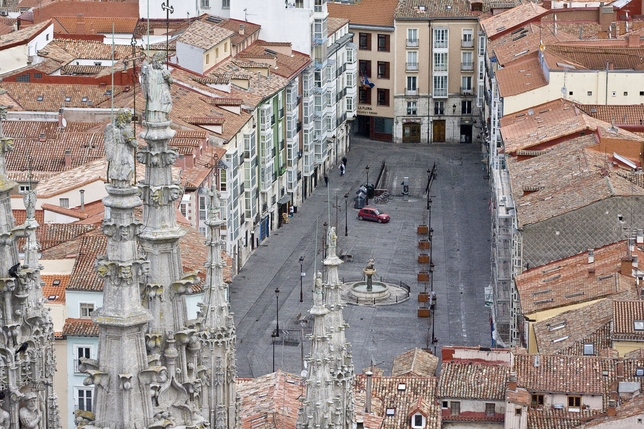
(461, 254)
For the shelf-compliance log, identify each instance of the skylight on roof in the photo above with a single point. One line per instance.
(84, 99)
(40, 98)
(56, 282)
(558, 340)
(638, 325)
(401, 387)
(391, 411)
(68, 99)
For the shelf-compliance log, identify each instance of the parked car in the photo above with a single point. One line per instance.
(373, 214)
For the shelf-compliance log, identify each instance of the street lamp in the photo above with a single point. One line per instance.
(367, 197)
(324, 239)
(429, 177)
(277, 311)
(301, 277)
(346, 214)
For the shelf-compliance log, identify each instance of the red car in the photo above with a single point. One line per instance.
(371, 213)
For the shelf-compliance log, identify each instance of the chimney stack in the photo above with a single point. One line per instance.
(627, 266)
(68, 158)
(60, 118)
(612, 405)
(82, 198)
(367, 409)
(512, 381)
(591, 256)
(242, 29)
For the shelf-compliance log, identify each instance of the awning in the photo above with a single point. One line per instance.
(284, 200)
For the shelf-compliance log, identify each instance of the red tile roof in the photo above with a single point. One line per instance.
(506, 21)
(436, 9)
(621, 115)
(378, 13)
(549, 418)
(415, 362)
(582, 56)
(521, 76)
(84, 275)
(628, 322)
(472, 381)
(80, 328)
(116, 9)
(54, 293)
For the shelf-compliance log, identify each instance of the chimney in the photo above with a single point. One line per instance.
(612, 404)
(627, 266)
(635, 264)
(640, 236)
(631, 245)
(591, 256)
(42, 137)
(82, 198)
(512, 381)
(367, 408)
(68, 158)
(80, 23)
(242, 29)
(611, 65)
(18, 23)
(60, 118)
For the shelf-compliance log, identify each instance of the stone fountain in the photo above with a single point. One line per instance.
(373, 292)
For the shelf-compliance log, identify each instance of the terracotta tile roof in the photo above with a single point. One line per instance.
(194, 254)
(387, 391)
(84, 275)
(628, 322)
(116, 9)
(74, 178)
(583, 56)
(234, 26)
(630, 366)
(283, 65)
(511, 47)
(635, 354)
(475, 381)
(511, 18)
(175, 26)
(49, 98)
(415, 362)
(195, 176)
(20, 217)
(472, 416)
(521, 76)
(631, 408)
(94, 25)
(66, 50)
(378, 13)
(270, 401)
(548, 418)
(23, 35)
(334, 24)
(53, 234)
(573, 280)
(80, 328)
(567, 332)
(631, 114)
(70, 248)
(518, 397)
(436, 9)
(565, 374)
(204, 35)
(54, 293)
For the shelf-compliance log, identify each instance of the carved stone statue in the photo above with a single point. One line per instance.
(155, 81)
(119, 142)
(333, 238)
(5, 418)
(29, 414)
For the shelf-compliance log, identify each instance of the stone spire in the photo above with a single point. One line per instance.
(318, 407)
(340, 360)
(122, 399)
(171, 344)
(217, 331)
(27, 335)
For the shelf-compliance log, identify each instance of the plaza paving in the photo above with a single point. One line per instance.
(461, 252)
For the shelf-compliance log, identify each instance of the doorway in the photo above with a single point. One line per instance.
(466, 133)
(411, 133)
(438, 131)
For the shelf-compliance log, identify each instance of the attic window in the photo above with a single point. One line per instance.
(401, 387)
(40, 98)
(639, 372)
(638, 325)
(56, 282)
(52, 297)
(68, 98)
(421, 8)
(84, 99)
(589, 349)
(391, 411)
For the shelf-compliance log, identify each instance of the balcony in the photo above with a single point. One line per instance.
(412, 43)
(411, 66)
(440, 44)
(467, 43)
(411, 91)
(467, 91)
(467, 66)
(440, 67)
(440, 92)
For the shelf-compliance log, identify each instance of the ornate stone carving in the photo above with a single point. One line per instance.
(156, 82)
(119, 144)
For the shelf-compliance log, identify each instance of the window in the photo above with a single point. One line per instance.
(391, 411)
(490, 409)
(350, 107)
(365, 68)
(68, 98)
(412, 83)
(589, 93)
(455, 408)
(574, 401)
(86, 310)
(440, 38)
(537, 401)
(364, 41)
(625, 92)
(24, 188)
(417, 421)
(466, 84)
(82, 352)
(638, 325)
(383, 97)
(63, 202)
(444, 405)
(23, 78)
(440, 86)
(466, 107)
(467, 41)
(205, 4)
(40, 98)
(37, 75)
(383, 42)
(467, 61)
(569, 92)
(641, 93)
(412, 60)
(202, 208)
(207, 58)
(439, 107)
(517, 411)
(639, 372)
(383, 70)
(440, 61)
(589, 349)
(365, 95)
(411, 108)
(84, 399)
(225, 4)
(412, 37)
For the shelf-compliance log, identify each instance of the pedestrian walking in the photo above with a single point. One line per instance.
(326, 180)
(342, 168)
(344, 161)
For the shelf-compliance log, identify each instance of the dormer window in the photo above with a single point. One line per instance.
(390, 412)
(418, 421)
(401, 387)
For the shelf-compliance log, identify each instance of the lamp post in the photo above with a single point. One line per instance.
(429, 177)
(277, 311)
(346, 215)
(367, 196)
(324, 238)
(301, 277)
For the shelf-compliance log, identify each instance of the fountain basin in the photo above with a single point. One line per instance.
(379, 291)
